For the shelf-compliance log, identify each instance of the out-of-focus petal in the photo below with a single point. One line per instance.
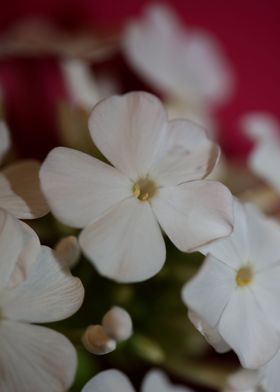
(5, 141)
(156, 380)
(126, 244)
(47, 294)
(20, 191)
(194, 213)
(117, 323)
(35, 358)
(109, 381)
(189, 155)
(80, 188)
(68, 251)
(208, 293)
(245, 328)
(96, 340)
(130, 131)
(244, 380)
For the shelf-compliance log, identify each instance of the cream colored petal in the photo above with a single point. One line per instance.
(117, 323)
(68, 251)
(156, 380)
(109, 381)
(34, 358)
(20, 192)
(97, 341)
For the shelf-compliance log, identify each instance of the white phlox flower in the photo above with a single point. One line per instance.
(157, 181)
(186, 65)
(264, 161)
(236, 292)
(20, 192)
(33, 289)
(114, 381)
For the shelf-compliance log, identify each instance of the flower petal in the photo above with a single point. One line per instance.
(263, 237)
(110, 381)
(244, 380)
(129, 130)
(5, 141)
(156, 380)
(194, 213)
(271, 374)
(189, 155)
(233, 250)
(47, 294)
(80, 188)
(210, 290)
(245, 328)
(20, 191)
(34, 358)
(126, 244)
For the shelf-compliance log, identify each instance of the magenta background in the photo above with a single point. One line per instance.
(249, 31)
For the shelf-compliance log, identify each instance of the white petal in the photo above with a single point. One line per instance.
(117, 323)
(34, 358)
(80, 83)
(244, 380)
(11, 244)
(232, 250)
(48, 293)
(80, 188)
(109, 381)
(271, 373)
(5, 141)
(263, 237)
(129, 130)
(245, 328)
(96, 340)
(20, 191)
(194, 213)
(210, 290)
(68, 251)
(156, 380)
(189, 155)
(211, 334)
(261, 127)
(126, 244)
(178, 62)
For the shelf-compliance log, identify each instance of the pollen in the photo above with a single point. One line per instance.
(244, 276)
(144, 189)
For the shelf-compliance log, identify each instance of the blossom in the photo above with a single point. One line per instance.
(34, 289)
(264, 160)
(236, 291)
(158, 179)
(114, 381)
(20, 191)
(186, 65)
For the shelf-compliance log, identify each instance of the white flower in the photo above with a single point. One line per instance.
(114, 381)
(33, 289)
(237, 289)
(264, 160)
(184, 64)
(158, 178)
(20, 192)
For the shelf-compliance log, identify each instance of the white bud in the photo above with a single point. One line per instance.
(117, 324)
(68, 251)
(96, 340)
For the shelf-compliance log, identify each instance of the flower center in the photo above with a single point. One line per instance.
(144, 189)
(244, 276)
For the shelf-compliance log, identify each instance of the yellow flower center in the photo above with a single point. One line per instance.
(144, 189)
(244, 276)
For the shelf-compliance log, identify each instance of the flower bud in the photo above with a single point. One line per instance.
(96, 340)
(117, 324)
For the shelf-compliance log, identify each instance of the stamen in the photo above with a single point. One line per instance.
(144, 189)
(244, 276)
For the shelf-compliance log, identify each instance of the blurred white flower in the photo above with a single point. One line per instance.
(20, 192)
(96, 340)
(68, 251)
(117, 323)
(34, 289)
(244, 380)
(114, 381)
(158, 178)
(237, 289)
(184, 64)
(264, 160)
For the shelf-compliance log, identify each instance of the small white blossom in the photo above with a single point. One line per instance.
(33, 289)
(158, 179)
(236, 291)
(264, 160)
(114, 381)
